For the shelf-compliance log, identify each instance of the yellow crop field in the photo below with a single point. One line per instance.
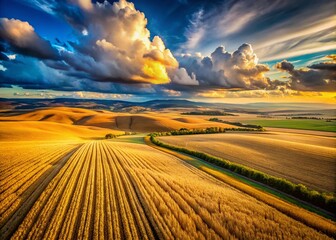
(67, 117)
(302, 158)
(120, 190)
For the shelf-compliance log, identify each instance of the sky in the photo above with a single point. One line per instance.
(214, 51)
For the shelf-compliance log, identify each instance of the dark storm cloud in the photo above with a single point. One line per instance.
(21, 38)
(59, 65)
(40, 76)
(324, 66)
(319, 77)
(112, 51)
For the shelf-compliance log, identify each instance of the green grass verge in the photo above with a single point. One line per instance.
(305, 124)
(138, 138)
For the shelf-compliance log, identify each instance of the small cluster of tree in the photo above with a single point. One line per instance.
(110, 136)
(313, 118)
(210, 113)
(258, 127)
(326, 201)
(297, 114)
(130, 133)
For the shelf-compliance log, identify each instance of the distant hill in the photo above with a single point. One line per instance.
(116, 105)
(148, 122)
(20, 104)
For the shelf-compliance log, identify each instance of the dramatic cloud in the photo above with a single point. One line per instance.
(278, 93)
(181, 76)
(225, 20)
(239, 69)
(329, 65)
(276, 29)
(39, 75)
(109, 49)
(21, 38)
(311, 31)
(114, 44)
(319, 77)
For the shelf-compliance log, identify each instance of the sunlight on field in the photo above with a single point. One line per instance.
(306, 159)
(116, 190)
(306, 124)
(142, 122)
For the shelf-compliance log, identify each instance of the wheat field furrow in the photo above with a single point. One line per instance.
(234, 221)
(29, 170)
(52, 205)
(160, 209)
(88, 223)
(138, 211)
(204, 229)
(15, 156)
(189, 219)
(136, 223)
(84, 218)
(24, 187)
(65, 200)
(14, 188)
(157, 195)
(191, 210)
(139, 214)
(108, 225)
(161, 201)
(124, 228)
(161, 226)
(160, 182)
(126, 204)
(121, 190)
(81, 213)
(133, 162)
(165, 204)
(24, 208)
(72, 218)
(35, 212)
(112, 199)
(19, 164)
(99, 230)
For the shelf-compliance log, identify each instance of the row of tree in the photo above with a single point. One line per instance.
(326, 201)
(209, 130)
(258, 127)
(210, 113)
(111, 135)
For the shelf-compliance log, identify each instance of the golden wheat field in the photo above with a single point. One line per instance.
(118, 190)
(301, 158)
(95, 120)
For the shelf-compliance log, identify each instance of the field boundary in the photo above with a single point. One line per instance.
(307, 217)
(326, 201)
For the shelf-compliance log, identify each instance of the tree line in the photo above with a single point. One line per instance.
(111, 135)
(237, 124)
(211, 113)
(326, 201)
(209, 130)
